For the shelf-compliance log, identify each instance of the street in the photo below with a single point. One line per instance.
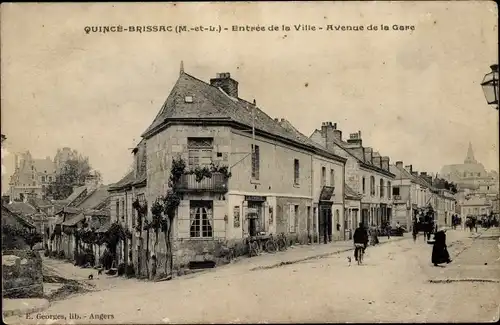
(393, 285)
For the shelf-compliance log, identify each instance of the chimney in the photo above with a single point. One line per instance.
(328, 133)
(5, 199)
(355, 139)
(376, 159)
(399, 164)
(276, 120)
(283, 120)
(385, 163)
(224, 81)
(409, 169)
(368, 154)
(423, 174)
(414, 173)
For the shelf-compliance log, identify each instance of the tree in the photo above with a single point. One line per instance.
(73, 173)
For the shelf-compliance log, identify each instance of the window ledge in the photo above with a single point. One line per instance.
(296, 185)
(254, 181)
(198, 238)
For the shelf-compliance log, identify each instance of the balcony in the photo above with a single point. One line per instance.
(396, 197)
(217, 184)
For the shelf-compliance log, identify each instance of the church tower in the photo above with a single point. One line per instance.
(469, 159)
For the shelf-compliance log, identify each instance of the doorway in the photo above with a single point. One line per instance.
(325, 223)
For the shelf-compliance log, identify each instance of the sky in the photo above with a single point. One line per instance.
(415, 95)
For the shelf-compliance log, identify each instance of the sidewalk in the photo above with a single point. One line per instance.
(21, 307)
(296, 254)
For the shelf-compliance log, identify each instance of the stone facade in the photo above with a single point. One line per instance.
(21, 274)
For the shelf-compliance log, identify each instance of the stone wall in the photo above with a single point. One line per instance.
(22, 274)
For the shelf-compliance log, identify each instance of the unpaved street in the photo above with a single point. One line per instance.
(392, 286)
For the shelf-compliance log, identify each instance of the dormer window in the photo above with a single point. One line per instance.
(188, 99)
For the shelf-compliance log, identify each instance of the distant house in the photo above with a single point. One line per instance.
(12, 219)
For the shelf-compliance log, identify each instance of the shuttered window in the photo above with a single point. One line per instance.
(296, 171)
(200, 151)
(255, 162)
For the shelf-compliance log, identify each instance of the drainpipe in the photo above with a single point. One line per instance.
(312, 196)
(343, 202)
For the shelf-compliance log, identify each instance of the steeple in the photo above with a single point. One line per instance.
(182, 68)
(470, 156)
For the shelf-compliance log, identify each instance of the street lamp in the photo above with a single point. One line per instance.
(490, 86)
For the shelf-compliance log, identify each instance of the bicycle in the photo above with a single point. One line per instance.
(281, 242)
(271, 244)
(361, 252)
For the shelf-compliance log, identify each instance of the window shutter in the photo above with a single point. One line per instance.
(291, 223)
(266, 217)
(183, 219)
(244, 218)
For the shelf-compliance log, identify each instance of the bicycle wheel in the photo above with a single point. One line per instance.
(270, 246)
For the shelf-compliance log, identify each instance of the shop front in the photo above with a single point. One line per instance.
(325, 214)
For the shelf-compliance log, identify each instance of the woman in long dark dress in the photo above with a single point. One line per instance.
(439, 250)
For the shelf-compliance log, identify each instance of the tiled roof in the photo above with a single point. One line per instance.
(72, 221)
(210, 102)
(301, 137)
(22, 208)
(42, 165)
(7, 213)
(68, 210)
(76, 193)
(346, 147)
(401, 173)
(94, 198)
(125, 181)
(40, 203)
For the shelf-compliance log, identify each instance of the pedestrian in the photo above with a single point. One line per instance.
(388, 230)
(439, 249)
(415, 231)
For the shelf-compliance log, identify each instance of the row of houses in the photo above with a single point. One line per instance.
(312, 189)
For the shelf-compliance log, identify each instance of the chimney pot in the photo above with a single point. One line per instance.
(282, 120)
(335, 126)
(277, 119)
(223, 80)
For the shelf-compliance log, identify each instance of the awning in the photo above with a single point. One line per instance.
(326, 193)
(72, 222)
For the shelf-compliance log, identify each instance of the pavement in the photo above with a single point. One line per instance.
(14, 307)
(316, 285)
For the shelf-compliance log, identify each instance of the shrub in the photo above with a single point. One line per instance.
(61, 255)
(46, 253)
(121, 269)
(106, 260)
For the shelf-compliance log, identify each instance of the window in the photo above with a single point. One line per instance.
(294, 210)
(389, 189)
(323, 176)
(332, 177)
(200, 151)
(188, 99)
(50, 178)
(363, 185)
(43, 179)
(381, 188)
(123, 209)
(117, 209)
(201, 216)
(255, 162)
(34, 184)
(372, 186)
(296, 171)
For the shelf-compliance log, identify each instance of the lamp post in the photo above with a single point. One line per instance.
(490, 86)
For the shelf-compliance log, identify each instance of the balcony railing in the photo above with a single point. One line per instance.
(397, 197)
(217, 183)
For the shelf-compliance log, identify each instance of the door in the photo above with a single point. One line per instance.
(322, 223)
(309, 222)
